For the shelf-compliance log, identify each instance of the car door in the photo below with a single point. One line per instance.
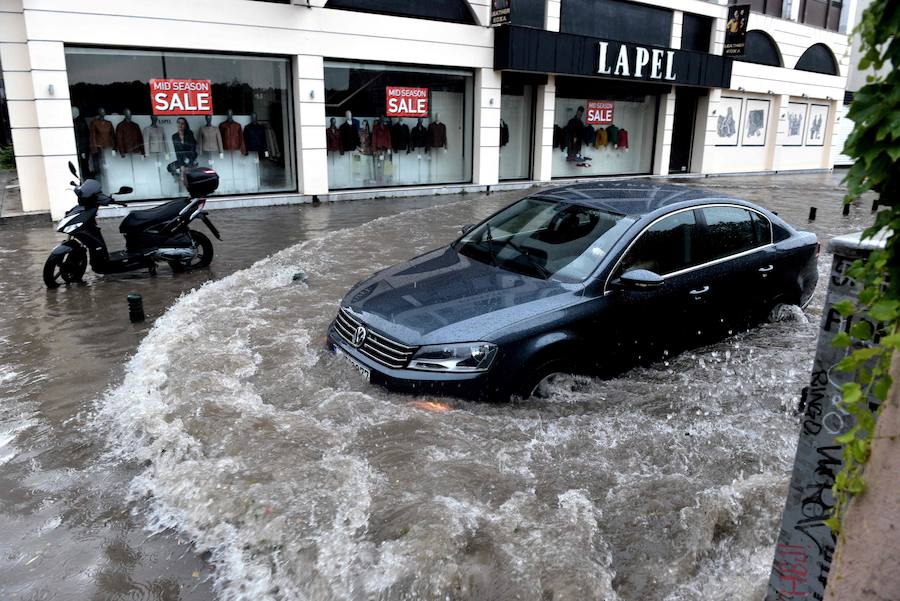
(651, 323)
(737, 247)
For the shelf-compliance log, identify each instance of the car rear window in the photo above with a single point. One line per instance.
(729, 231)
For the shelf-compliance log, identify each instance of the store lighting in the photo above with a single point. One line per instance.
(312, 94)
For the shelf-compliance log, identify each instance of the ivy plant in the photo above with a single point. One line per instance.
(874, 144)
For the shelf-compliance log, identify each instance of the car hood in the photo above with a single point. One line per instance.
(442, 297)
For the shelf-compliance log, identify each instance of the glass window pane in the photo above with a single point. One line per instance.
(248, 139)
(367, 147)
(665, 247)
(762, 229)
(729, 230)
(516, 118)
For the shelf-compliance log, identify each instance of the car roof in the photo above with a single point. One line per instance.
(634, 198)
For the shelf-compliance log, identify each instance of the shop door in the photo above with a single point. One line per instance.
(516, 127)
(683, 130)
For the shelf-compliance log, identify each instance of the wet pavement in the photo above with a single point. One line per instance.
(217, 452)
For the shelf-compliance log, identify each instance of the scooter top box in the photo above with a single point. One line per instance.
(201, 182)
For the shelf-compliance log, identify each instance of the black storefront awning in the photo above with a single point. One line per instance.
(541, 51)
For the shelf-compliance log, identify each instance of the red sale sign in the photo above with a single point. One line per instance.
(181, 96)
(406, 102)
(600, 112)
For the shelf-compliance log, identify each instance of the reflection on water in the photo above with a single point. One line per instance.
(295, 479)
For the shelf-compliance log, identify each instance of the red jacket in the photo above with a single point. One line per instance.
(232, 136)
(381, 137)
(623, 139)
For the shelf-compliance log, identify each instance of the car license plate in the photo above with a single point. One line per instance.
(362, 369)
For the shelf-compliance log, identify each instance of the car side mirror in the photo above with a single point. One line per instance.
(125, 190)
(467, 228)
(638, 279)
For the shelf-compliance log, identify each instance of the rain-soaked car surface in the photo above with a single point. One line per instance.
(589, 278)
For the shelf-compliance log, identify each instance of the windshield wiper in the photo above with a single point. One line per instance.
(490, 240)
(531, 260)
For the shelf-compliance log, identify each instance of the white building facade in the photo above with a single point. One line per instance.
(330, 99)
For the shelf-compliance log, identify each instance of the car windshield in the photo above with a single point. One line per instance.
(546, 239)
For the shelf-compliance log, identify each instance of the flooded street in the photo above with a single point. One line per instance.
(219, 451)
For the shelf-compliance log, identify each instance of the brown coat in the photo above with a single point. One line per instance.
(232, 136)
(102, 135)
(129, 139)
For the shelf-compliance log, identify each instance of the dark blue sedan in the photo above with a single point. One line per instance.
(591, 278)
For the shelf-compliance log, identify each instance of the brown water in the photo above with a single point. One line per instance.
(232, 430)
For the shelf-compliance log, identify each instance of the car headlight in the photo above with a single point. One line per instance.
(466, 357)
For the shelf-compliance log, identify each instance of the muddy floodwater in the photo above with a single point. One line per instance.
(219, 451)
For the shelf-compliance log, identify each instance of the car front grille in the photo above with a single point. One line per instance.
(377, 347)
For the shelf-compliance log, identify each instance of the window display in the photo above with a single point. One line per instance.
(397, 126)
(614, 137)
(237, 120)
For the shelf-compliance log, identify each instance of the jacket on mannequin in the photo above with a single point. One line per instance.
(400, 136)
(255, 138)
(102, 135)
(381, 137)
(211, 139)
(437, 135)
(418, 137)
(623, 139)
(349, 138)
(232, 136)
(129, 139)
(504, 133)
(333, 139)
(155, 140)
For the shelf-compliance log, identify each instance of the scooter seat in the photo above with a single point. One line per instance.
(137, 221)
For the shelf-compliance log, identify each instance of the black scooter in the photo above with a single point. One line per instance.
(151, 235)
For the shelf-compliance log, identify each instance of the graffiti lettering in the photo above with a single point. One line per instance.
(791, 567)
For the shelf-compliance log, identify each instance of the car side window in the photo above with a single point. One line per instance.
(762, 229)
(729, 231)
(665, 247)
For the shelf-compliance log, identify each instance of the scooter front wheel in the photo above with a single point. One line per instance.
(65, 269)
(204, 254)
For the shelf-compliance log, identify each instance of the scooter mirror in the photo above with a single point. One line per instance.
(75, 184)
(72, 169)
(125, 190)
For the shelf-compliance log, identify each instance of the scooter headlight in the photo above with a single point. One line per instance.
(466, 357)
(70, 228)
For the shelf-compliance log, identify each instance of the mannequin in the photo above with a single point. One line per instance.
(211, 138)
(82, 142)
(129, 139)
(349, 133)
(418, 137)
(333, 136)
(437, 133)
(381, 136)
(232, 134)
(155, 138)
(255, 137)
(102, 134)
(365, 139)
(400, 136)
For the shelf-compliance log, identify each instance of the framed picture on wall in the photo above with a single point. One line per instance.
(728, 119)
(794, 123)
(756, 122)
(816, 123)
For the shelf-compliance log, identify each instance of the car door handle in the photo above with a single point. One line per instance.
(766, 269)
(700, 291)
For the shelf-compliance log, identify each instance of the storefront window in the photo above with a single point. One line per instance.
(516, 127)
(397, 126)
(603, 127)
(234, 117)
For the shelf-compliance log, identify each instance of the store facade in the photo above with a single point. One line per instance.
(330, 99)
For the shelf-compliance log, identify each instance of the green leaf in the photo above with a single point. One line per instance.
(862, 330)
(881, 388)
(856, 485)
(834, 523)
(848, 436)
(841, 340)
(886, 310)
(845, 308)
(852, 392)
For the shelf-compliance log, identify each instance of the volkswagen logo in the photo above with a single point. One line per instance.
(359, 336)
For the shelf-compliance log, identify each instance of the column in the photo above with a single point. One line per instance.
(40, 114)
(708, 162)
(312, 152)
(777, 127)
(828, 154)
(664, 125)
(552, 15)
(486, 155)
(544, 114)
